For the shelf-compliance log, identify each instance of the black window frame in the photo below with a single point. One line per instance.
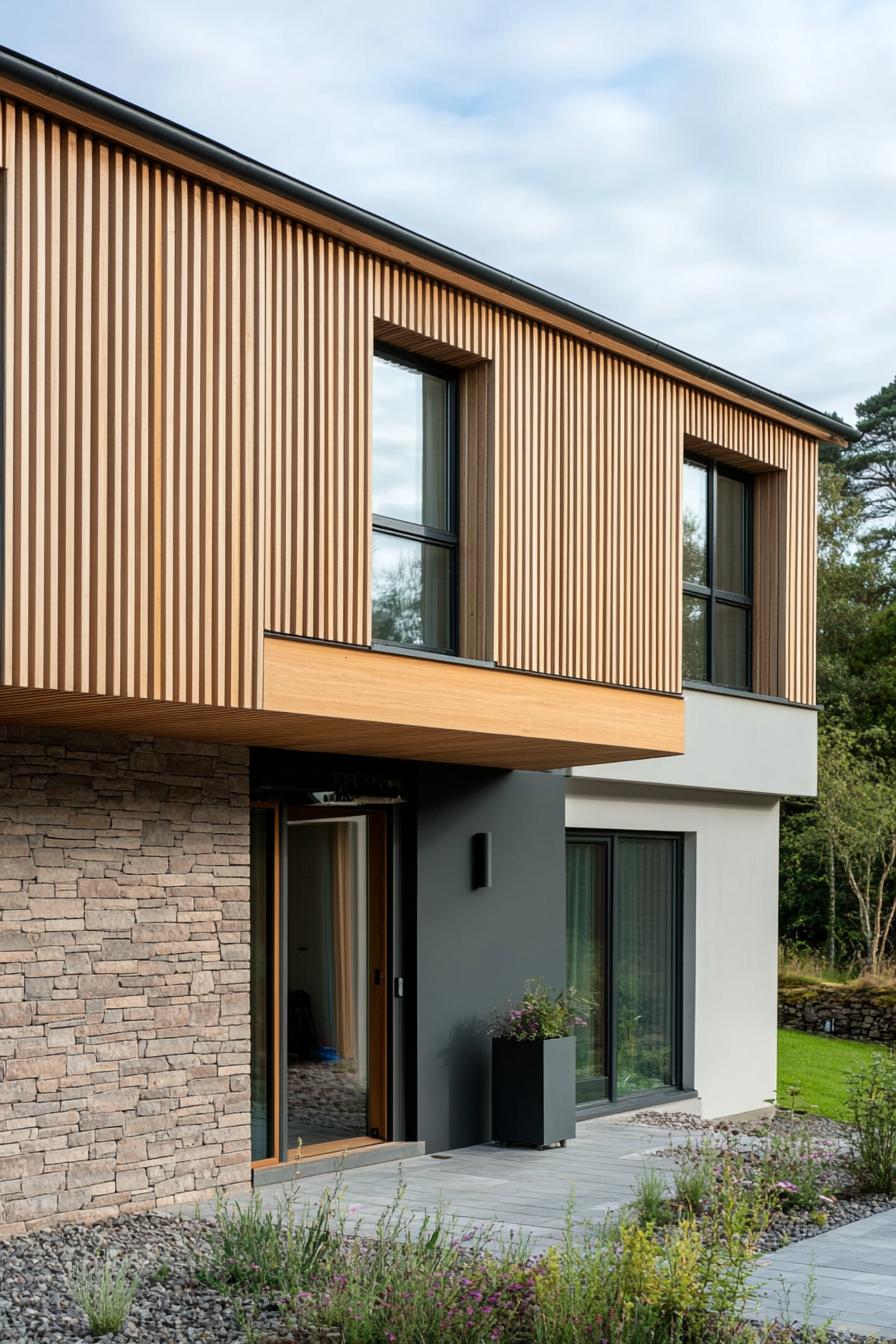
(421, 532)
(635, 1100)
(713, 595)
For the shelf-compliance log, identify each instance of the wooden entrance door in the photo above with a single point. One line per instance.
(336, 979)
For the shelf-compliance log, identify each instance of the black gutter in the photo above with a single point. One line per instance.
(49, 81)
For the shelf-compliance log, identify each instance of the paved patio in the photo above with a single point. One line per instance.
(515, 1189)
(848, 1276)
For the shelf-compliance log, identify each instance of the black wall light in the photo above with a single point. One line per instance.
(482, 860)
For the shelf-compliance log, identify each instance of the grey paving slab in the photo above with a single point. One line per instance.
(514, 1190)
(846, 1277)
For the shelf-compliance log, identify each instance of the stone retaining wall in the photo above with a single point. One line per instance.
(859, 1014)
(124, 973)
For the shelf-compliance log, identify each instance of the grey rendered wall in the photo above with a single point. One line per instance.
(475, 949)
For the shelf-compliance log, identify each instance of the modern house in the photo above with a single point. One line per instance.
(377, 631)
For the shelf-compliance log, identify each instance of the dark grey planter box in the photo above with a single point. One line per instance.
(534, 1091)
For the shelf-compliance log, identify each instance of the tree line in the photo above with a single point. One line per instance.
(838, 851)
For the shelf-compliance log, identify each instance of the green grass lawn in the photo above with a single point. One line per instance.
(818, 1066)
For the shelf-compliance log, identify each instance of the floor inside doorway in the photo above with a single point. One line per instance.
(326, 1102)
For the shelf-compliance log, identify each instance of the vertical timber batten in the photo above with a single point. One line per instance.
(187, 425)
(134, 466)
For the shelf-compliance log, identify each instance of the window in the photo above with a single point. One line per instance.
(718, 580)
(623, 950)
(414, 572)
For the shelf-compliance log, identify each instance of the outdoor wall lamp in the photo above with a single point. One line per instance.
(482, 860)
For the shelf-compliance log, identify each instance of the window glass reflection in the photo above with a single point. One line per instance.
(694, 523)
(411, 586)
(410, 445)
(694, 641)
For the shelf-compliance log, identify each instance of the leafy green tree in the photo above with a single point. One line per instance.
(856, 815)
(856, 625)
(851, 601)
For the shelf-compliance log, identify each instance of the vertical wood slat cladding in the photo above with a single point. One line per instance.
(476, 507)
(587, 482)
(188, 431)
(133, 423)
(785, 537)
(318, 504)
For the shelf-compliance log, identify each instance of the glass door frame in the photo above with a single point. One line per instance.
(276, 1088)
(284, 812)
(634, 1100)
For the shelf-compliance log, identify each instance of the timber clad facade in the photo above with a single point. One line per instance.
(256, 864)
(185, 367)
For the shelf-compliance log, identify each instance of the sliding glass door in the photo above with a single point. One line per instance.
(624, 951)
(645, 963)
(587, 908)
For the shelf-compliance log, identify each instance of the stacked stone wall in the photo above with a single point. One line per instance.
(858, 1012)
(124, 973)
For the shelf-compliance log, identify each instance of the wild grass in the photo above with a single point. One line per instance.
(105, 1292)
(799, 965)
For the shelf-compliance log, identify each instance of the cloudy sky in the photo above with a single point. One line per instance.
(722, 176)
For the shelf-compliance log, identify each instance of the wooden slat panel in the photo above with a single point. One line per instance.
(476, 509)
(188, 443)
(134, 424)
(319, 483)
(586, 549)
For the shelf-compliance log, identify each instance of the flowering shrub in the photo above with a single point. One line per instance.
(542, 1014)
(872, 1101)
(777, 1173)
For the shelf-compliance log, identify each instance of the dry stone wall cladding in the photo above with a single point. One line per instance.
(124, 973)
(859, 1014)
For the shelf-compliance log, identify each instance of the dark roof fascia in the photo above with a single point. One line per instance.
(54, 83)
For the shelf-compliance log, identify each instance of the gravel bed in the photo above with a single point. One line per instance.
(36, 1306)
(782, 1122)
(786, 1228)
(813, 1334)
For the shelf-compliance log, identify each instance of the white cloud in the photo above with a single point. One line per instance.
(723, 177)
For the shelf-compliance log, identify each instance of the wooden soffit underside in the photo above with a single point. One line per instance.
(331, 699)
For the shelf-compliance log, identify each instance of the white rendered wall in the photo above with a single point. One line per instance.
(731, 934)
(735, 743)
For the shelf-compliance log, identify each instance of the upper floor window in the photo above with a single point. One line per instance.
(414, 568)
(718, 579)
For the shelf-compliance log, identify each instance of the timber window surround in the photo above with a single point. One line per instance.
(415, 540)
(717, 602)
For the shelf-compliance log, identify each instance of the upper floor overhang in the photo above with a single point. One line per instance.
(323, 698)
(189, 461)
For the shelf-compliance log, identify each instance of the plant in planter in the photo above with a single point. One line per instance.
(534, 1066)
